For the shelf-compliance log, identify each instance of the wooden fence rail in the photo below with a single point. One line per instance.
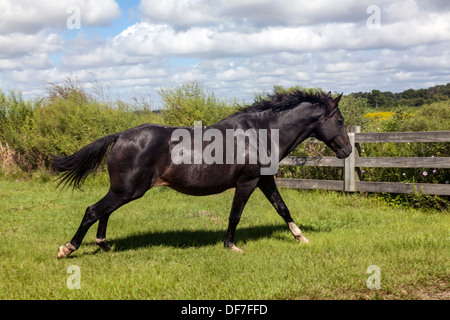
(352, 181)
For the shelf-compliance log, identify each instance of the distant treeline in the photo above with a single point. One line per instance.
(410, 97)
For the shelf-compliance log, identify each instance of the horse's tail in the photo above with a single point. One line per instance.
(79, 165)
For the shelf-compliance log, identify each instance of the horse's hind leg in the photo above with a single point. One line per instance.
(270, 190)
(102, 209)
(100, 239)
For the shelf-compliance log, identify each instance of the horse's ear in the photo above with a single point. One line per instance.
(329, 95)
(336, 100)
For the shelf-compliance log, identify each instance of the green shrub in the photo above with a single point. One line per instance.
(353, 109)
(69, 118)
(190, 102)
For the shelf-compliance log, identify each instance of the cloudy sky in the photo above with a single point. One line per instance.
(234, 48)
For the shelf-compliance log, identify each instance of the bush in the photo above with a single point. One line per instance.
(190, 102)
(353, 109)
(69, 118)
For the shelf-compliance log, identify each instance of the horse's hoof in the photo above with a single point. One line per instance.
(102, 244)
(64, 251)
(302, 239)
(236, 249)
(296, 232)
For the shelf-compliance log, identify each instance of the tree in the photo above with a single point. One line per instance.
(353, 109)
(376, 99)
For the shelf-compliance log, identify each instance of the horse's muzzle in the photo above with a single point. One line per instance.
(343, 153)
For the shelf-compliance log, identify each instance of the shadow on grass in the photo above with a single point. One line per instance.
(195, 238)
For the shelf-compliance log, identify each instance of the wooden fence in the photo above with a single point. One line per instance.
(351, 165)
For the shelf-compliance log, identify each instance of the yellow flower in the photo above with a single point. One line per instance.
(379, 115)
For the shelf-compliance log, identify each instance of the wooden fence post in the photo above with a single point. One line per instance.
(350, 174)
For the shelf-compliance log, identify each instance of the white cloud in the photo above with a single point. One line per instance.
(235, 48)
(178, 12)
(31, 61)
(144, 40)
(263, 13)
(187, 13)
(29, 16)
(29, 30)
(17, 44)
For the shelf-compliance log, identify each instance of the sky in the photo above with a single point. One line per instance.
(233, 48)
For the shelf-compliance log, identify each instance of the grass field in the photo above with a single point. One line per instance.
(169, 246)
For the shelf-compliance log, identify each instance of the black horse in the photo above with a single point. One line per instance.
(148, 155)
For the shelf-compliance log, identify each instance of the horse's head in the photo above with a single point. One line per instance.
(332, 131)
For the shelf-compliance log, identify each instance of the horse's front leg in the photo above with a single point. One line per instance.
(270, 190)
(241, 196)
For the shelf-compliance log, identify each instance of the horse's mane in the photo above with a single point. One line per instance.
(285, 100)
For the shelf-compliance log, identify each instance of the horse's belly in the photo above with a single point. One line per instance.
(199, 191)
(198, 181)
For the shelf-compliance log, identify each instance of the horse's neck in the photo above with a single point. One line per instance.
(294, 126)
(293, 130)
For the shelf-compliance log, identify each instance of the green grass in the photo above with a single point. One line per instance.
(169, 246)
